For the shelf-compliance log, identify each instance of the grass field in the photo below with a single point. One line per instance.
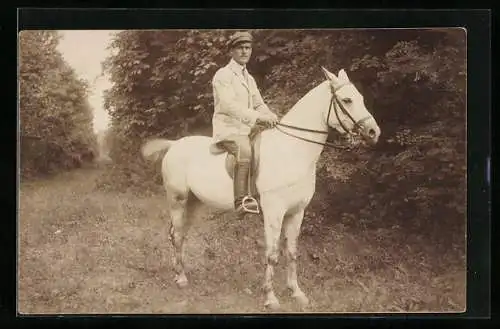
(84, 250)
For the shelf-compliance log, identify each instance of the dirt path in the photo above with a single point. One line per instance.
(87, 251)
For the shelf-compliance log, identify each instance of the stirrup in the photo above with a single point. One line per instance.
(250, 205)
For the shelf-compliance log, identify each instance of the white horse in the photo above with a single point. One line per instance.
(286, 178)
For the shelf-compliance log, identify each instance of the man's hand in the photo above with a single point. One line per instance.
(269, 119)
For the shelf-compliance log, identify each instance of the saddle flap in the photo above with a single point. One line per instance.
(254, 171)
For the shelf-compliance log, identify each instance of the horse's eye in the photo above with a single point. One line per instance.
(347, 100)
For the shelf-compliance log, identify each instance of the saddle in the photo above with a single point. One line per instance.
(255, 138)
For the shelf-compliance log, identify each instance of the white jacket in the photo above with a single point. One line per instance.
(236, 103)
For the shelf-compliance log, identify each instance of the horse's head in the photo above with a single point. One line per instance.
(348, 113)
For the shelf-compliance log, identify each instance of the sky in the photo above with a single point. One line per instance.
(85, 50)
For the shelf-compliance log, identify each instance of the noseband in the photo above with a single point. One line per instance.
(338, 105)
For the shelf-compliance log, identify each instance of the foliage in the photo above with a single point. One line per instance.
(56, 118)
(417, 174)
(413, 82)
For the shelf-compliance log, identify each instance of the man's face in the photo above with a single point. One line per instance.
(242, 52)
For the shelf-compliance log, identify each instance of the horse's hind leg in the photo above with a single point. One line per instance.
(180, 222)
(292, 225)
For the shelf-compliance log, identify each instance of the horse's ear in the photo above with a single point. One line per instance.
(329, 75)
(343, 75)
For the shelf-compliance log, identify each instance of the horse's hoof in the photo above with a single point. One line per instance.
(181, 282)
(302, 300)
(272, 305)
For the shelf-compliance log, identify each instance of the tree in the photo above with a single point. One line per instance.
(56, 118)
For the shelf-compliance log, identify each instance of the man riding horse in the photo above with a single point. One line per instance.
(238, 107)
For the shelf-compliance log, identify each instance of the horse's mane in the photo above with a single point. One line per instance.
(314, 92)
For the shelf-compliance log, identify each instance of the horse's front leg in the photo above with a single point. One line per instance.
(292, 225)
(273, 219)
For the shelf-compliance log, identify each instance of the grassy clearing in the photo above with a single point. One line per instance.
(84, 250)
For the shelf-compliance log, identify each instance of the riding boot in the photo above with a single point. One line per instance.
(243, 201)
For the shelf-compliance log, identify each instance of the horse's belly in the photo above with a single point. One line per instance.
(209, 181)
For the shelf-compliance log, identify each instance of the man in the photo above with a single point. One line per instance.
(238, 107)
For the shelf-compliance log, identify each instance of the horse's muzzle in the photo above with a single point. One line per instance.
(371, 134)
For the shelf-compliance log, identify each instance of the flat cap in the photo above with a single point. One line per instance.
(238, 38)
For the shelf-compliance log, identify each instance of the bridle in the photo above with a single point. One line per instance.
(336, 104)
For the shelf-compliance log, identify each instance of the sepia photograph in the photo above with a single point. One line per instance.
(242, 171)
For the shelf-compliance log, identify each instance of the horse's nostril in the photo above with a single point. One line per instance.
(371, 132)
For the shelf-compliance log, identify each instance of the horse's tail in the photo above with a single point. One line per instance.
(155, 149)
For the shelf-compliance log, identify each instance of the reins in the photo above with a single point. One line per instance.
(328, 144)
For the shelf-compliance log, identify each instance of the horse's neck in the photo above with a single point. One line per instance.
(286, 160)
(309, 112)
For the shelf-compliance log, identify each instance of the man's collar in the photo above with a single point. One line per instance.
(236, 66)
